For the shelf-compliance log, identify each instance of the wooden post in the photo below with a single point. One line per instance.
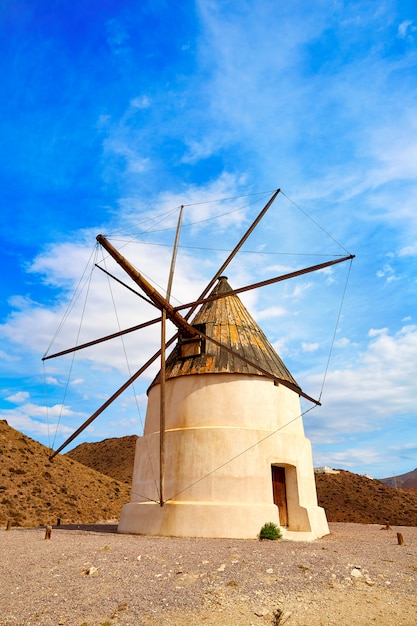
(48, 532)
(400, 539)
(9, 524)
(162, 413)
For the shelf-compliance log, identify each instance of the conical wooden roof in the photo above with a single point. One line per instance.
(227, 321)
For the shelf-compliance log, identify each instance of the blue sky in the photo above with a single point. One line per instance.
(115, 113)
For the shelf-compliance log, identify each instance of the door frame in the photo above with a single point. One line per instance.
(279, 492)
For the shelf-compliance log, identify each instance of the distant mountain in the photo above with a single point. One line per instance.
(113, 457)
(405, 481)
(35, 491)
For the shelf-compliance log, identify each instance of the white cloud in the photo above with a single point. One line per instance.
(50, 380)
(377, 332)
(342, 342)
(22, 420)
(19, 397)
(351, 458)
(270, 313)
(140, 102)
(309, 347)
(408, 250)
(6, 357)
(372, 391)
(405, 27)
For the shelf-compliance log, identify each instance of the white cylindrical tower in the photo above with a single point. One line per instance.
(235, 451)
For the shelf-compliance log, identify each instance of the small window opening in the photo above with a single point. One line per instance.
(193, 346)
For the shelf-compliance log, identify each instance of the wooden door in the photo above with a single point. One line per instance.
(280, 493)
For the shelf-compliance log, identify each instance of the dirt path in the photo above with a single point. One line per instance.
(83, 577)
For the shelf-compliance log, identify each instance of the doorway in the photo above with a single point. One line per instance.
(280, 493)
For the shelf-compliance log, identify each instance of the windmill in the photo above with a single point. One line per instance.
(223, 449)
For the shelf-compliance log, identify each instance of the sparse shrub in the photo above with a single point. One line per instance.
(270, 531)
(277, 618)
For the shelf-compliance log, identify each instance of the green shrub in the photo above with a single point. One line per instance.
(270, 531)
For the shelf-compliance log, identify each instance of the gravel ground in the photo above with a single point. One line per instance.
(91, 576)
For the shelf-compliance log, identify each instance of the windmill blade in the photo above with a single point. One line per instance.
(120, 333)
(174, 254)
(172, 313)
(151, 292)
(124, 284)
(110, 400)
(127, 383)
(155, 296)
(234, 251)
(263, 283)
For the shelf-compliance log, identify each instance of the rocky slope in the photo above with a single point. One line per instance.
(347, 497)
(113, 457)
(35, 491)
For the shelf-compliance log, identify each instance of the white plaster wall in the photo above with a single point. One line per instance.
(223, 433)
(225, 400)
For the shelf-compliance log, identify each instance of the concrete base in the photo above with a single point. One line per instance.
(197, 519)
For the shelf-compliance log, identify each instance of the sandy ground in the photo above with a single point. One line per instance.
(91, 576)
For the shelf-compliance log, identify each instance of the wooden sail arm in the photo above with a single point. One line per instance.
(176, 309)
(197, 303)
(121, 389)
(124, 284)
(111, 399)
(94, 342)
(233, 253)
(263, 283)
(162, 303)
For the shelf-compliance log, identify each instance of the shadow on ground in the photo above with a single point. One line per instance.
(96, 528)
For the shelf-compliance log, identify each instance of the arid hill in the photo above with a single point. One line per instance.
(113, 457)
(346, 497)
(80, 486)
(35, 491)
(405, 481)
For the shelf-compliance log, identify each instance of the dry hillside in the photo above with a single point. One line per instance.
(80, 487)
(35, 491)
(113, 457)
(346, 497)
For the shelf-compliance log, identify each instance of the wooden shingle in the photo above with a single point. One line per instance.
(227, 321)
